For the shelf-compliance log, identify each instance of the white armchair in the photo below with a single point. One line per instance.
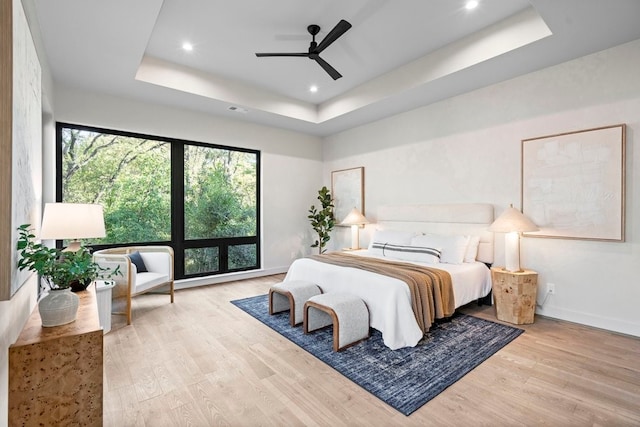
(158, 261)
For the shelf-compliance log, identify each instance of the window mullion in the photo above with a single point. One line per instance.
(177, 207)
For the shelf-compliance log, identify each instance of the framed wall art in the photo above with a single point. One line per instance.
(20, 141)
(347, 190)
(573, 184)
(6, 114)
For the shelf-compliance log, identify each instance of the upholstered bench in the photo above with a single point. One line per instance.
(291, 295)
(348, 313)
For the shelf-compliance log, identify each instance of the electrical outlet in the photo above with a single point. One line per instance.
(551, 288)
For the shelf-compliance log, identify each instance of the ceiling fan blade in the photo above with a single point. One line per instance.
(340, 28)
(261, 55)
(328, 68)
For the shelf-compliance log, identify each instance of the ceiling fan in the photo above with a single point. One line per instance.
(316, 48)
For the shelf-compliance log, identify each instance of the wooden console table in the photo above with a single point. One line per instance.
(55, 374)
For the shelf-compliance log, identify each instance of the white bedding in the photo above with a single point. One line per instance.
(389, 299)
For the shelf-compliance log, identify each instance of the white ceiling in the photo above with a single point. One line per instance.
(397, 56)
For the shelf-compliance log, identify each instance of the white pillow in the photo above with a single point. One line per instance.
(393, 237)
(453, 247)
(407, 253)
(472, 249)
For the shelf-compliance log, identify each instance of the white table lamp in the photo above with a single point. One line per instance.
(512, 222)
(355, 219)
(72, 221)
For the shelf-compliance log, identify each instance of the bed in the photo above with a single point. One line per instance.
(388, 299)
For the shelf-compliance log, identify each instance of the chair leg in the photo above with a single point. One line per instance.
(129, 310)
(171, 291)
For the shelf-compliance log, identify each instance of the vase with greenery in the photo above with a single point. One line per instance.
(322, 219)
(58, 269)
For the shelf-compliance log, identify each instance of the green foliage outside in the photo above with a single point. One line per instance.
(220, 189)
(220, 201)
(131, 178)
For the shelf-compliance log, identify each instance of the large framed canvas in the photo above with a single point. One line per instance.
(573, 184)
(20, 141)
(6, 95)
(347, 190)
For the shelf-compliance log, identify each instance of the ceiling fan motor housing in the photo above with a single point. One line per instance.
(313, 29)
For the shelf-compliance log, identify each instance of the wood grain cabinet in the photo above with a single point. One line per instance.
(514, 295)
(55, 374)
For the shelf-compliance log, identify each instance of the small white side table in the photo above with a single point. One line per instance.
(103, 293)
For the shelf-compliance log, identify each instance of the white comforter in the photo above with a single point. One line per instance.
(389, 299)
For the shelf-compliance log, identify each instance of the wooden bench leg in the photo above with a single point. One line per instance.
(310, 324)
(276, 307)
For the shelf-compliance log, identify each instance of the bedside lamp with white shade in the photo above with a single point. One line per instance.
(512, 222)
(355, 219)
(72, 221)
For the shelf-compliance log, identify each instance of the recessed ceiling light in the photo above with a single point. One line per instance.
(313, 89)
(471, 4)
(187, 46)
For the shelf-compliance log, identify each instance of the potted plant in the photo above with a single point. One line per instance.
(322, 220)
(78, 270)
(61, 271)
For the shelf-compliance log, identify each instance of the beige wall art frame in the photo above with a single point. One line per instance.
(573, 184)
(347, 190)
(20, 141)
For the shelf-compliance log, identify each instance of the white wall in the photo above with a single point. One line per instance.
(284, 155)
(467, 149)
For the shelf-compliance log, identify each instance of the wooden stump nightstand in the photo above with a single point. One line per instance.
(514, 295)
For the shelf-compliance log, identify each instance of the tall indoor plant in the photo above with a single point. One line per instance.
(322, 219)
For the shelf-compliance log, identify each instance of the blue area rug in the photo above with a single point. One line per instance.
(406, 378)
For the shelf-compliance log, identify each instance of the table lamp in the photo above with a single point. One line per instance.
(355, 219)
(512, 222)
(72, 221)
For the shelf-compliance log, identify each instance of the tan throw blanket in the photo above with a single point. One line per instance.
(431, 289)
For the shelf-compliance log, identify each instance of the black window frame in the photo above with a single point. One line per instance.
(177, 242)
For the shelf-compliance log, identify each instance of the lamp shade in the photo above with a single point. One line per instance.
(512, 220)
(72, 221)
(354, 218)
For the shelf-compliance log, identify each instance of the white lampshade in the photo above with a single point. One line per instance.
(355, 219)
(72, 221)
(512, 222)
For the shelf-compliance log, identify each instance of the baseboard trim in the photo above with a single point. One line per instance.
(229, 277)
(600, 322)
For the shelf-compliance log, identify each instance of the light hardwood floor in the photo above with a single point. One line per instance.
(204, 362)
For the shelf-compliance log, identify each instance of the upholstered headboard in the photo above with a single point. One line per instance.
(449, 219)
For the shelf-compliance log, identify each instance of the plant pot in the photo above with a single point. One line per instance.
(58, 307)
(80, 285)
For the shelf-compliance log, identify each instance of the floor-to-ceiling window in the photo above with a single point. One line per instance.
(202, 199)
